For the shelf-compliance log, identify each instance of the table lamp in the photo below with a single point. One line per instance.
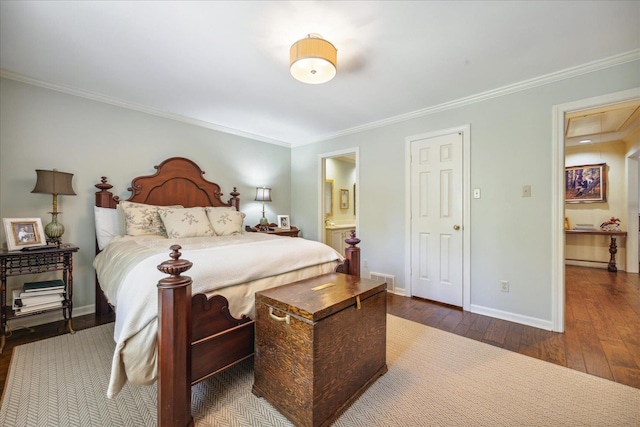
(263, 194)
(54, 182)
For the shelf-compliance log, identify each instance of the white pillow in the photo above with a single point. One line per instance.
(108, 225)
(226, 222)
(142, 219)
(186, 222)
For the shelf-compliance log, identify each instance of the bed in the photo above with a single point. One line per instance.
(197, 335)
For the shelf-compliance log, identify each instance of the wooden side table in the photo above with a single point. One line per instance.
(16, 263)
(293, 232)
(613, 247)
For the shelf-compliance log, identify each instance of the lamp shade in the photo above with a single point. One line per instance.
(54, 182)
(313, 60)
(263, 194)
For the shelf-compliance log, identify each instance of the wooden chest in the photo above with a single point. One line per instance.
(320, 343)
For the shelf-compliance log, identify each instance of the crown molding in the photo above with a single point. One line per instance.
(590, 67)
(136, 107)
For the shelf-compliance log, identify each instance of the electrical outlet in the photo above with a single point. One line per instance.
(504, 285)
(366, 263)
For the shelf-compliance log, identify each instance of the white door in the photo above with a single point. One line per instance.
(436, 218)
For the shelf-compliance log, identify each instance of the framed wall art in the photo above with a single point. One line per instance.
(585, 183)
(23, 233)
(344, 199)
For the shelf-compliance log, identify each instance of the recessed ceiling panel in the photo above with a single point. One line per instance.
(600, 121)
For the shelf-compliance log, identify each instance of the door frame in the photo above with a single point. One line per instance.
(557, 223)
(466, 207)
(323, 173)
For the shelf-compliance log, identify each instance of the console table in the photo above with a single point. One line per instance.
(613, 247)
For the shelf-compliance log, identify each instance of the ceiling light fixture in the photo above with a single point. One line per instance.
(313, 60)
(585, 141)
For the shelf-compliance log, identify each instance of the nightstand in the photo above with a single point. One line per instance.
(16, 263)
(293, 232)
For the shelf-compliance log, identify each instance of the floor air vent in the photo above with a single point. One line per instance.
(390, 279)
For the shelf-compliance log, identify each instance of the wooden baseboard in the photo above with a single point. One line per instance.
(590, 264)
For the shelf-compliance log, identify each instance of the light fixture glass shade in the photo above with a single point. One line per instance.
(313, 60)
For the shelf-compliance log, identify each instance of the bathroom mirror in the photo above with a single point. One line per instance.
(328, 198)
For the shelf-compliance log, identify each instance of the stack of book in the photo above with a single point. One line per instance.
(37, 296)
(584, 227)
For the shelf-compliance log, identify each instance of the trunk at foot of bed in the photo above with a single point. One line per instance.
(175, 332)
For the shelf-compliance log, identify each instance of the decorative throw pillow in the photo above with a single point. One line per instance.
(226, 222)
(186, 222)
(220, 208)
(142, 219)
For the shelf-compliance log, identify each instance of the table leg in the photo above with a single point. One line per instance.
(613, 249)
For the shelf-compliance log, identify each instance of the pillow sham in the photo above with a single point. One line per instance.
(186, 222)
(226, 222)
(142, 219)
(109, 224)
(219, 208)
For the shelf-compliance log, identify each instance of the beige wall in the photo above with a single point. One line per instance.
(596, 248)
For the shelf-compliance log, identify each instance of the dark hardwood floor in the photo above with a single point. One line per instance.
(602, 335)
(602, 325)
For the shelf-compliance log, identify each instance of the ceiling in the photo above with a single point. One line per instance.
(224, 64)
(610, 123)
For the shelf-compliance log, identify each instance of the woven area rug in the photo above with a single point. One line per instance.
(435, 379)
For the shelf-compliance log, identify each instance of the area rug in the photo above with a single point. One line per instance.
(435, 379)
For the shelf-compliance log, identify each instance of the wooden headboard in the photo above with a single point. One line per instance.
(177, 181)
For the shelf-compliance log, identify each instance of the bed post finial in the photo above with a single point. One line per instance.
(175, 266)
(353, 254)
(234, 200)
(351, 264)
(174, 342)
(104, 197)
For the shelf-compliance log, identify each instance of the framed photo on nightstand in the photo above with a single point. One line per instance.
(23, 233)
(283, 222)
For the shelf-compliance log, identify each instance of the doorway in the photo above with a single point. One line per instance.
(560, 113)
(339, 196)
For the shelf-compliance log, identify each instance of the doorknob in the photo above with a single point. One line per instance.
(456, 227)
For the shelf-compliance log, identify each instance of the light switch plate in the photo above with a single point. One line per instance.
(476, 193)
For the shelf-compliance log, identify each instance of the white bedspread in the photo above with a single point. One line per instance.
(128, 274)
